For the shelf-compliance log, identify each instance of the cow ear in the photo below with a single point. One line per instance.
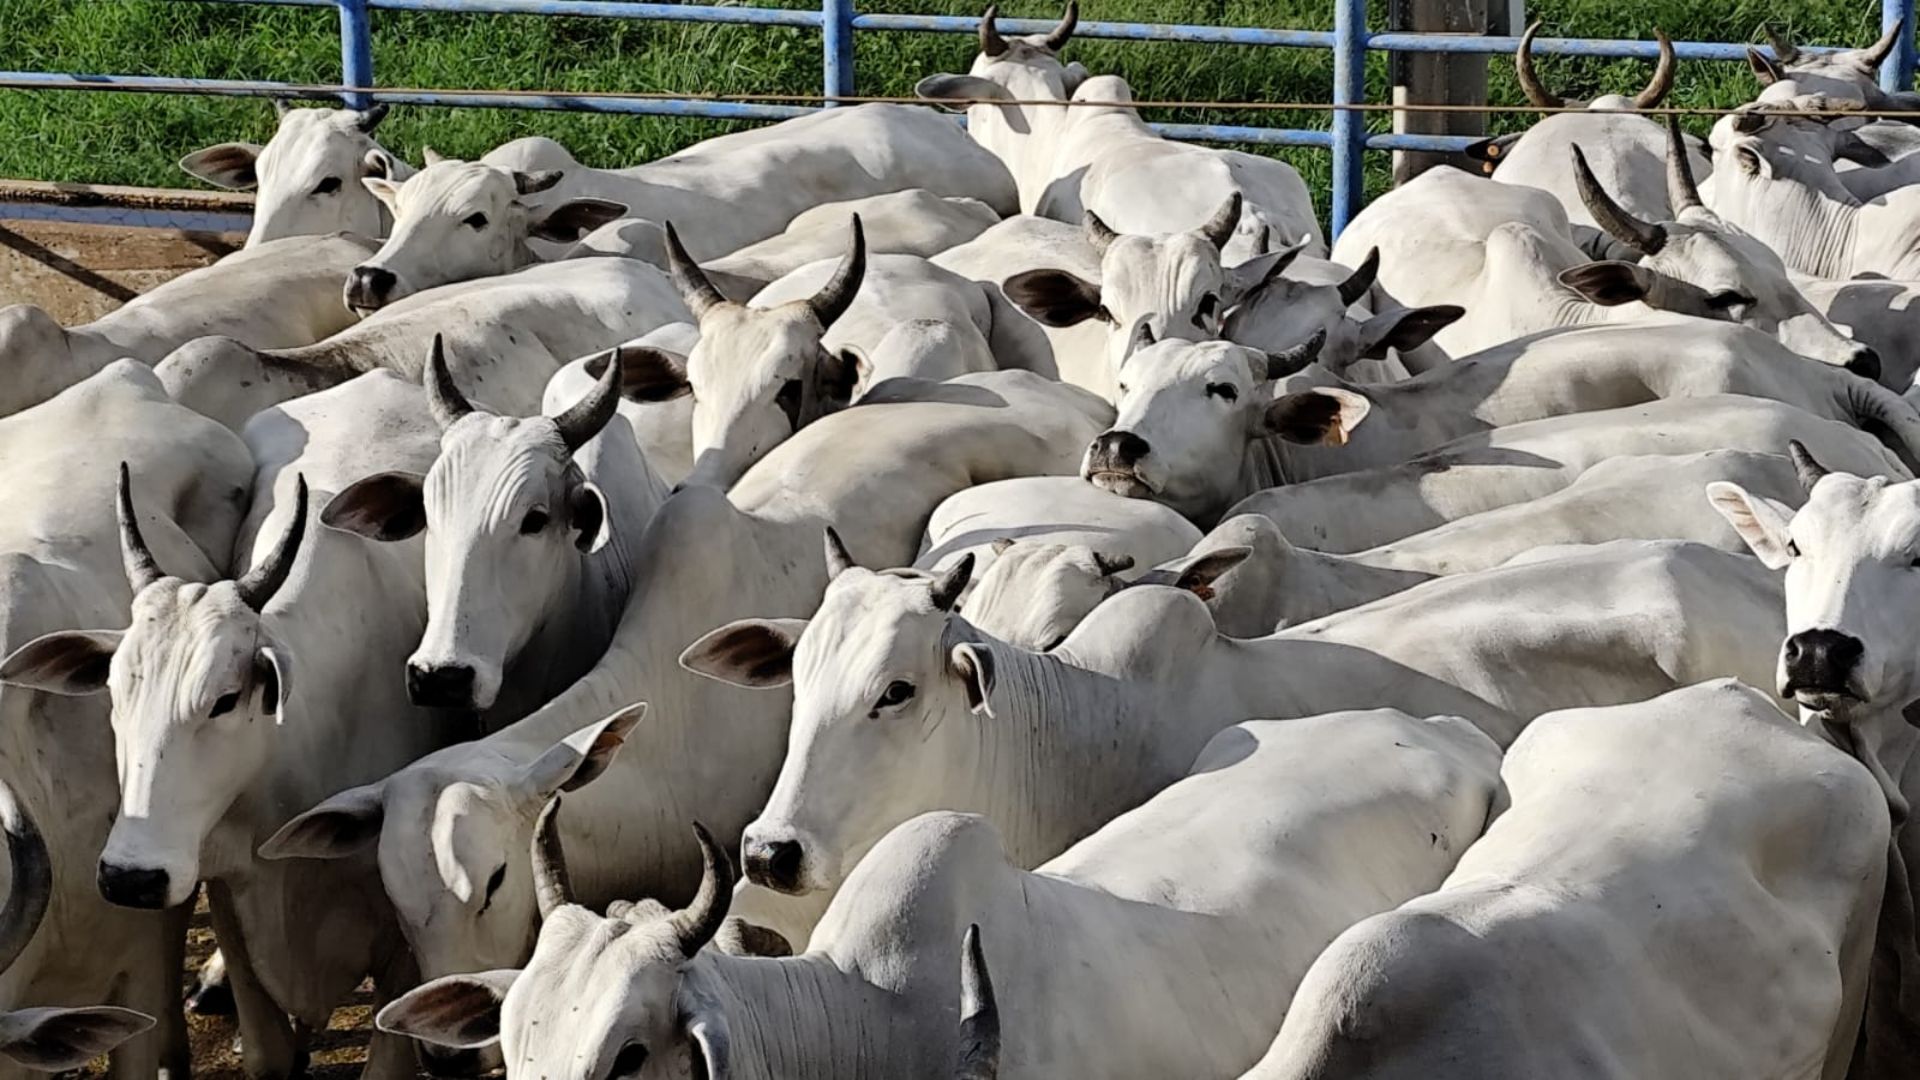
(1323, 416)
(274, 670)
(1752, 162)
(578, 759)
(378, 162)
(652, 375)
(973, 666)
(588, 507)
(1055, 297)
(461, 1012)
(228, 165)
(1198, 576)
(1764, 67)
(1407, 328)
(1761, 522)
(384, 506)
(569, 221)
(340, 826)
(67, 662)
(1610, 283)
(56, 1040)
(754, 653)
(387, 191)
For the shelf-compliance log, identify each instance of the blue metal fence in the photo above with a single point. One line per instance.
(839, 21)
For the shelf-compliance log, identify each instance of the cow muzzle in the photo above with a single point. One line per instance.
(1113, 464)
(779, 865)
(441, 686)
(133, 886)
(370, 288)
(1820, 669)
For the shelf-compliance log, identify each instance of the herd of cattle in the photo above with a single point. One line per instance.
(865, 597)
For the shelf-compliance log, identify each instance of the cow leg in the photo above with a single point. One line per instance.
(392, 1057)
(269, 1047)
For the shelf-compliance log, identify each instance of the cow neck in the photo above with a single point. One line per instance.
(1817, 233)
(804, 1018)
(1313, 584)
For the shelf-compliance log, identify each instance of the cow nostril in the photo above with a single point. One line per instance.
(1822, 660)
(777, 865)
(1865, 363)
(1120, 448)
(131, 886)
(441, 686)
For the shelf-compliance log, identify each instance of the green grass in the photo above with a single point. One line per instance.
(136, 139)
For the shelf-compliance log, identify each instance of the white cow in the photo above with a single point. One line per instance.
(1681, 887)
(1024, 243)
(276, 296)
(1299, 300)
(59, 570)
(531, 526)
(1846, 75)
(505, 338)
(1056, 510)
(456, 818)
(1223, 888)
(662, 430)
(833, 155)
(307, 178)
(237, 703)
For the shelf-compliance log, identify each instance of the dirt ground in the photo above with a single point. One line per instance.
(80, 272)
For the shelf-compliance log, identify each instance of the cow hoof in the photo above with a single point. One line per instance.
(214, 1000)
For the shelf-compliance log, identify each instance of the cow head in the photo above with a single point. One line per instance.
(199, 685)
(1279, 313)
(1698, 264)
(1848, 75)
(508, 517)
(1652, 95)
(451, 833)
(1033, 595)
(758, 374)
(884, 685)
(1852, 557)
(460, 220)
(308, 178)
(1188, 413)
(1173, 284)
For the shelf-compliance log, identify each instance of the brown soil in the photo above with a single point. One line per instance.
(80, 272)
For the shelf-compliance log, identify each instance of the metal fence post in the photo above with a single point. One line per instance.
(356, 51)
(1349, 125)
(836, 39)
(1897, 72)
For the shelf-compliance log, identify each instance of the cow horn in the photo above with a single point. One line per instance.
(258, 585)
(531, 183)
(1749, 122)
(32, 870)
(1062, 31)
(948, 586)
(688, 278)
(1804, 466)
(1288, 361)
(444, 399)
(1109, 565)
(1219, 228)
(1765, 70)
(1622, 226)
(1682, 192)
(1784, 50)
(991, 43)
(590, 414)
(1529, 80)
(836, 296)
(695, 924)
(552, 888)
(1877, 53)
(1662, 81)
(135, 557)
(371, 116)
(1360, 281)
(1099, 233)
(979, 1014)
(281, 108)
(838, 561)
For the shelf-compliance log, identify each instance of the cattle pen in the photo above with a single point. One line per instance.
(838, 21)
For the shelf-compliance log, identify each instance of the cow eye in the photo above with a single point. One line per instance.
(1208, 305)
(328, 186)
(1106, 316)
(788, 399)
(475, 221)
(898, 692)
(535, 521)
(1055, 643)
(498, 879)
(1793, 550)
(628, 1061)
(1728, 298)
(225, 704)
(1223, 391)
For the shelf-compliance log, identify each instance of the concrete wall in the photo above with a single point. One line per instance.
(80, 272)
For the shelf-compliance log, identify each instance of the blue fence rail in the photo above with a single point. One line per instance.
(838, 21)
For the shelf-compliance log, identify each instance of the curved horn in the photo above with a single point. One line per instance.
(1062, 31)
(444, 398)
(32, 877)
(1219, 228)
(258, 585)
(1624, 227)
(836, 296)
(1109, 565)
(1529, 80)
(1682, 192)
(1804, 466)
(1361, 280)
(1662, 81)
(979, 1014)
(1784, 50)
(552, 888)
(1099, 233)
(1877, 53)
(688, 278)
(695, 924)
(991, 43)
(838, 561)
(370, 118)
(590, 414)
(281, 108)
(1286, 362)
(135, 557)
(948, 586)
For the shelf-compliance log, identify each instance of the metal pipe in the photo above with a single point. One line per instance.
(1496, 46)
(612, 10)
(356, 51)
(1214, 35)
(1896, 73)
(836, 47)
(1349, 127)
